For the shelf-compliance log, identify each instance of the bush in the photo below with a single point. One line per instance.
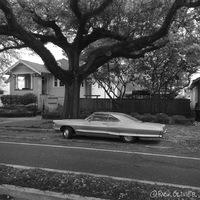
(16, 111)
(137, 116)
(162, 118)
(18, 99)
(85, 114)
(19, 111)
(51, 115)
(11, 100)
(29, 98)
(148, 118)
(32, 107)
(179, 119)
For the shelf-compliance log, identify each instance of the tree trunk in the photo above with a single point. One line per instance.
(71, 100)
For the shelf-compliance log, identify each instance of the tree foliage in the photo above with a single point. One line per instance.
(167, 71)
(115, 76)
(130, 29)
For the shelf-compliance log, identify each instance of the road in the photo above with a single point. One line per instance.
(126, 164)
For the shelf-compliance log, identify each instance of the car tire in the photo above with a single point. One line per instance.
(67, 132)
(128, 139)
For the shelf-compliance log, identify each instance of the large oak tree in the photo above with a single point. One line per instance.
(127, 28)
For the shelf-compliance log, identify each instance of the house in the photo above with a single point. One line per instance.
(195, 97)
(29, 77)
(195, 93)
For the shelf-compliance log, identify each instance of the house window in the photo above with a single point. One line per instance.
(58, 83)
(24, 82)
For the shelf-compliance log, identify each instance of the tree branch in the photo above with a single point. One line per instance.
(163, 30)
(74, 7)
(5, 30)
(13, 47)
(98, 10)
(100, 33)
(47, 24)
(10, 17)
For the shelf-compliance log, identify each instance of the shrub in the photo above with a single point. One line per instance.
(179, 119)
(18, 99)
(11, 99)
(162, 118)
(85, 114)
(20, 111)
(148, 118)
(137, 116)
(32, 107)
(51, 115)
(29, 98)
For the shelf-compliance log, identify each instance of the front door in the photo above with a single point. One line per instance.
(44, 85)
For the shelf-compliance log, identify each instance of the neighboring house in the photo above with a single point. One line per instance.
(29, 77)
(195, 93)
(195, 97)
(4, 87)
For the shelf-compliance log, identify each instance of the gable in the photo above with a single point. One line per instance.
(195, 83)
(21, 69)
(26, 67)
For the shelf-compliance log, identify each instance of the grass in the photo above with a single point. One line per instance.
(36, 123)
(92, 186)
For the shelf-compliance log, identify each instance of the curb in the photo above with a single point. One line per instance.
(21, 193)
(48, 195)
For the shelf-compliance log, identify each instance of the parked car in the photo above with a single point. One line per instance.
(125, 126)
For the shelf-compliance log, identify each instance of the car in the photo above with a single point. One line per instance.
(128, 128)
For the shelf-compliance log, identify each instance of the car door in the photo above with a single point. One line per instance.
(113, 125)
(97, 124)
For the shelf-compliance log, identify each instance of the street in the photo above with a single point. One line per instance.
(164, 168)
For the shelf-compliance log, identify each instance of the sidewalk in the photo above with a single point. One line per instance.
(18, 193)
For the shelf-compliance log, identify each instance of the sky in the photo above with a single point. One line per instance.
(27, 55)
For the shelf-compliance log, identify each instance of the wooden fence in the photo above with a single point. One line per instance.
(141, 106)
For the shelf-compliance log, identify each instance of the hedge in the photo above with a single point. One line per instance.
(19, 99)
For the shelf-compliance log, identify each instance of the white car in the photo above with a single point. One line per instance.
(125, 126)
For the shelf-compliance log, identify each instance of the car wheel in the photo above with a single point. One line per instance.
(128, 139)
(67, 132)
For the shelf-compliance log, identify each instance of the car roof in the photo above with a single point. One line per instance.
(120, 116)
(112, 113)
(115, 114)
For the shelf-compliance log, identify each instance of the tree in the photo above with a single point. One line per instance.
(132, 27)
(114, 77)
(167, 71)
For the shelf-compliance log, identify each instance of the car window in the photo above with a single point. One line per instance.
(132, 118)
(112, 119)
(99, 117)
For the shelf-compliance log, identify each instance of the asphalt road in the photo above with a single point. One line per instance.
(134, 165)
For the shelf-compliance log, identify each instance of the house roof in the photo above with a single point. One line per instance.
(38, 68)
(64, 64)
(194, 83)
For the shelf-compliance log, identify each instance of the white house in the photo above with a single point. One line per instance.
(29, 77)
